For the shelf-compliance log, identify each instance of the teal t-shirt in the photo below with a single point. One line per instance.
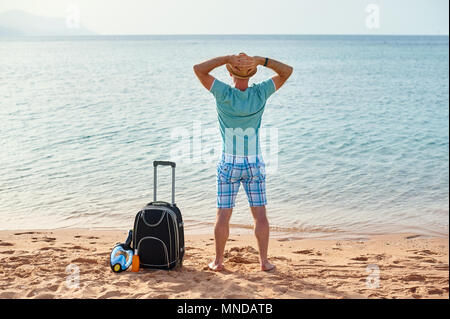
(239, 114)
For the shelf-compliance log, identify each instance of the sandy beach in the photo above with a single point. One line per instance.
(35, 265)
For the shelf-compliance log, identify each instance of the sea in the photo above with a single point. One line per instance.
(356, 141)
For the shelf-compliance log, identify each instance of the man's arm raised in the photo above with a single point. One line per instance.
(202, 70)
(282, 70)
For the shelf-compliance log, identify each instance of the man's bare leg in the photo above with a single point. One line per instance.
(221, 232)
(262, 235)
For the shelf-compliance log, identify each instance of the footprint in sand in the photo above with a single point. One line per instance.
(48, 239)
(280, 289)
(5, 244)
(435, 291)
(413, 289)
(360, 258)
(242, 255)
(304, 252)
(247, 249)
(425, 252)
(378, 257)
(53, 288)
(413, 277)
(24, 259)
(416, 257)
(123, 284)
(313, 261)
(429, 260)
(7, 295)
(77, 247)
(51, 248)
(279, 258)
(111, 294)
(197, 279)
(441, 267)
(241, 260)
(85, 260)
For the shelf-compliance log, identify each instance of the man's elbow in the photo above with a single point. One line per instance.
(195, 68)
(288, 72)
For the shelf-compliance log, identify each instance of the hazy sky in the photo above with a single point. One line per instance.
(247, 16)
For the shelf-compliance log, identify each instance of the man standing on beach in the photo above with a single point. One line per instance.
(240, 109)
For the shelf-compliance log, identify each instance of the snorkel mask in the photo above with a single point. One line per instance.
(121, 255)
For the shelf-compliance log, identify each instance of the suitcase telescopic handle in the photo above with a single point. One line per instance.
(164, 163)
(155, 166)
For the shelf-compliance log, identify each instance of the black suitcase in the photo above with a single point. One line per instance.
(158, 233)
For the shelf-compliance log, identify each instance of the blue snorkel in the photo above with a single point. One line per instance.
(121, 255)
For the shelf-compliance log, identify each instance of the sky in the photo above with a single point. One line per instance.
(247, 16)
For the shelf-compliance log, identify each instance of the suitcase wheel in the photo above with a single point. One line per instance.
(135, 263)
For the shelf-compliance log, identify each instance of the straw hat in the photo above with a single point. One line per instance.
(242, 74)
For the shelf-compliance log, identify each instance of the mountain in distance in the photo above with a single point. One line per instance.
(20, 23)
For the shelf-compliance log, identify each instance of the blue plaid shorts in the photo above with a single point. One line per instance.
(234, 170)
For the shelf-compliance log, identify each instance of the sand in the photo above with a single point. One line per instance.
(37, 264)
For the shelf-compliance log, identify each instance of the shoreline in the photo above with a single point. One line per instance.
(407, 265)
(276, 232)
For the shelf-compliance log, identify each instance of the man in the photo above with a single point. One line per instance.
(240, 109)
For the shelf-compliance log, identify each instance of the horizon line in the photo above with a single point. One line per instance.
(234, 34)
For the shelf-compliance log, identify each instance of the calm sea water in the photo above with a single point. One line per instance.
(362, 132)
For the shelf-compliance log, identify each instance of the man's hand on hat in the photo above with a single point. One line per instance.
(242, 63)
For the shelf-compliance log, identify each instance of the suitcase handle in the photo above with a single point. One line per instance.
(155, 166)
(164, 163)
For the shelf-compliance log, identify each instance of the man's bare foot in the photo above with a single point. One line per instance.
(266, 266)
(215, 266)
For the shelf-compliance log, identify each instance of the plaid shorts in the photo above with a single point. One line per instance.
(234, 170)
